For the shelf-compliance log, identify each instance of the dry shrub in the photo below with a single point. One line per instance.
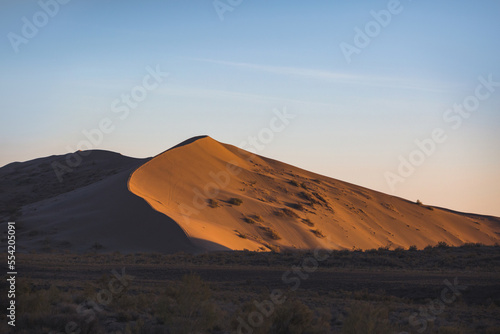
(291, 317)
(308, 222)
(186, 306)
(249, 220)
(236, 201)
(213, 203)
(366, 318)
(271, 233)
(285, 212)
(318, 233)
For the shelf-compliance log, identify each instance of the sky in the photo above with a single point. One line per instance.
(397, 96)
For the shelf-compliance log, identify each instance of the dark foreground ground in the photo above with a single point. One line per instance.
(435, 290)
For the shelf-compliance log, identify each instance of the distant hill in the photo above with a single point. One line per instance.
(23, 183)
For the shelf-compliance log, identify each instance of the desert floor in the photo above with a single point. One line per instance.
(377, 291)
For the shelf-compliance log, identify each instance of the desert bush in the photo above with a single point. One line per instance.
(285, 212)
(472, 245)
(236, 201)
(186, 307)
(366, 318)
(292, 317)
(241, 235)
(308, 222)
(298, 206)
(271, 233)
(385, 248)
(412, 248)
(419, 202)
(249, 220)
(429, 249)
(321, 198)
(442, 244)
(308, 197)
(258, 218)
(213, 203)
(294, 183)
(318, 233)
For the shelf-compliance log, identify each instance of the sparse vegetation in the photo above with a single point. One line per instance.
(236, 201)
(213, 203)
(258, 218)
(160, 300)
(308, 197)
(321, 198)
(241, 235)
(367, 318)
(271, 233)
(249, 220)
(318, 233)
(419, 202)
(294, 183)
(298, 206)
(442, 244)
(308, 222)
(285, 212)
(292, 317)
(187, 307)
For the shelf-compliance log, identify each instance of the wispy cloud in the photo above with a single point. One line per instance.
(338, 77)
(194, 92)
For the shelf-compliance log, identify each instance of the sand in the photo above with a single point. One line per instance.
(202, 195)
(287, 207)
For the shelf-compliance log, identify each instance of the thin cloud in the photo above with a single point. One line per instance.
(336, 77)
(225, 95)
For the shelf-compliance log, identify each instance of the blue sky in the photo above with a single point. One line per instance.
(353, 119)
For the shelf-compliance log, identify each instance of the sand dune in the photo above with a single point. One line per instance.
(287, 207)
(204, 195)
(28, 182)
(101, 216)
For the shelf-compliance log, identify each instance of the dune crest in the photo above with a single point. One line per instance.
(226, 198)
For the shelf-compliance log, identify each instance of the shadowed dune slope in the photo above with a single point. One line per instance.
(102, 216)
(200, 183)
(28, 182)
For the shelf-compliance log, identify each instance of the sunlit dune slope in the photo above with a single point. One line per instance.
(199, 183)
